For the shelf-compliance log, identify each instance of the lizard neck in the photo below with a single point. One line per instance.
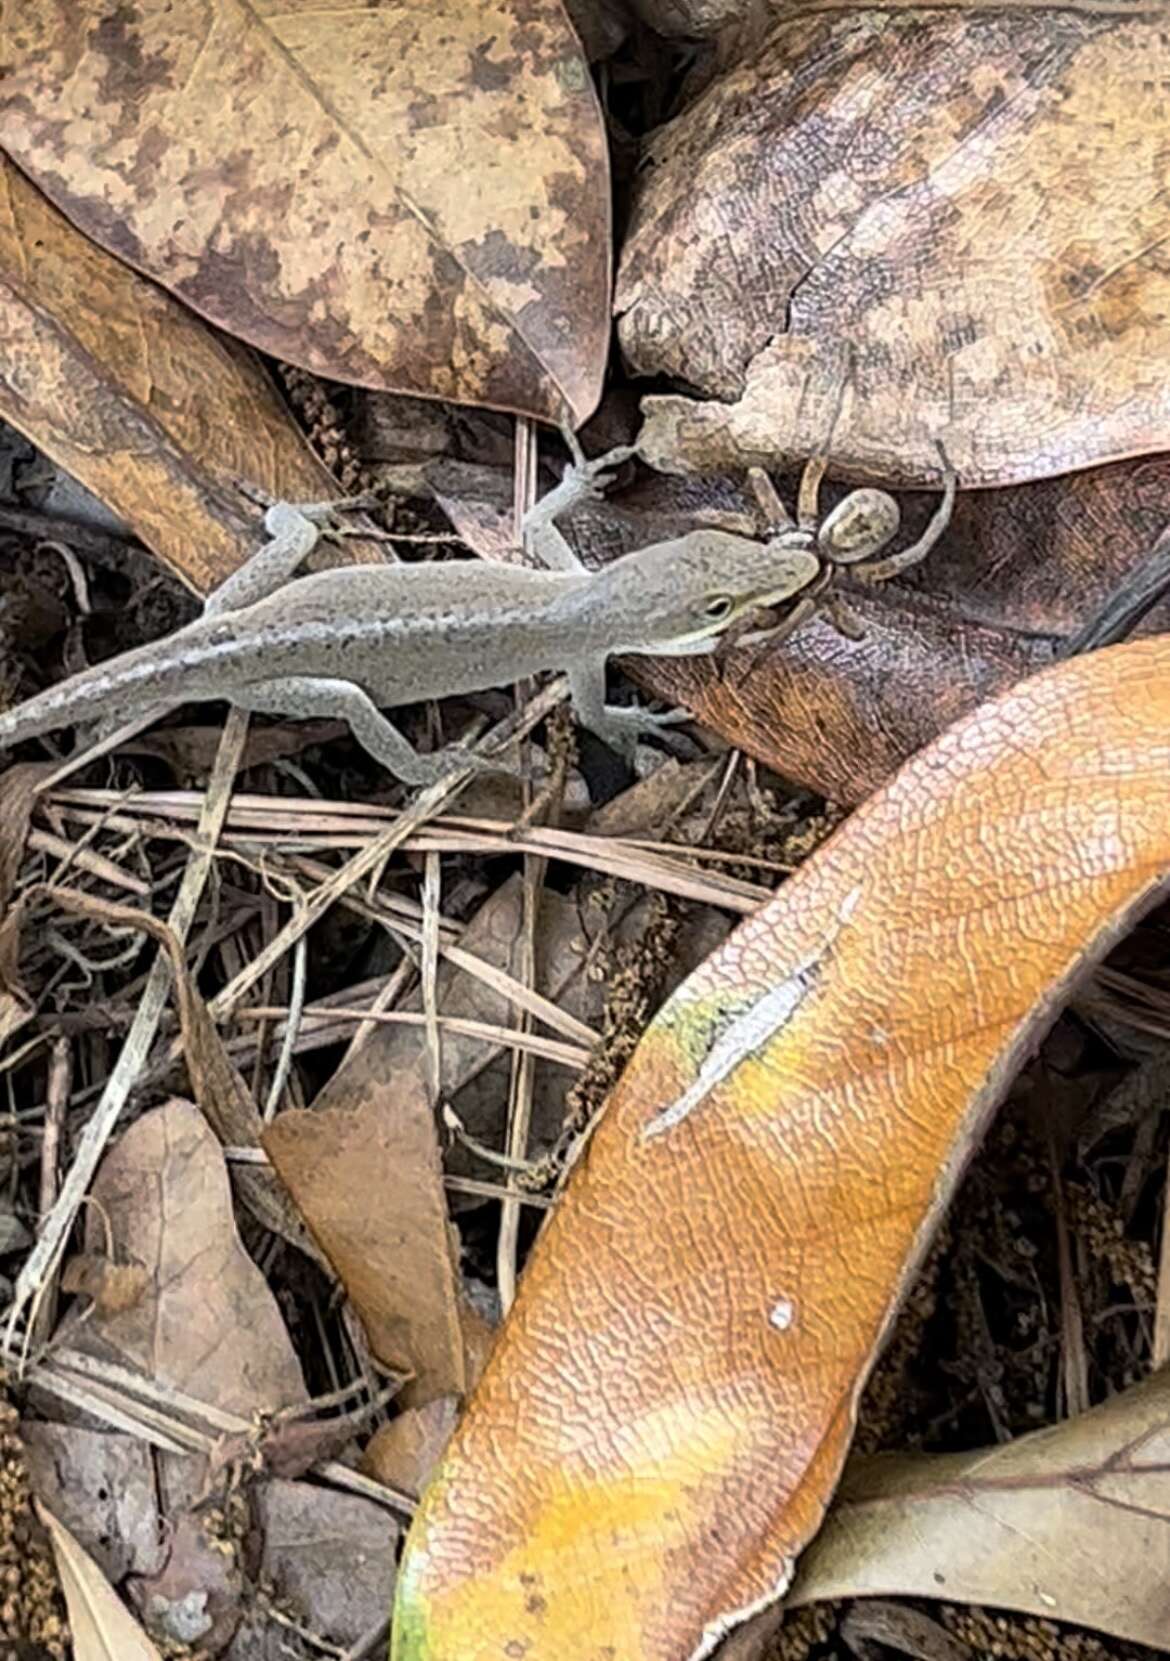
(589, 617)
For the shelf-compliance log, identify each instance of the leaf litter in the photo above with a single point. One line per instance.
(321, 946)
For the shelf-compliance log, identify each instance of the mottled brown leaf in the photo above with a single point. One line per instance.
(159, 416)
(405, 196)
(887, 228)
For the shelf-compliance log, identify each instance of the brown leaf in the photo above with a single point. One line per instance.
(407, 197)
(101, 1626)
(159, 417)
(842, 715)
(1043, 558)
(363, 1166)
(101, 1485)
(332, 1555)
(207, 1324)
(886, 228)
(403, 1453)
(1070, 1523)
(667, 1408)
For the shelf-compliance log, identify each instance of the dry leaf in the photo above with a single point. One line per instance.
(208, 1323)
(838, 715)
(404, 1452)
(220, 1091)
(664, 1416)
(331, 1555)
(363, 1166)
(886, 228)
(1070, 1523)
(156, 414)
(101, 1486)
(402, 196)
(102, 1627)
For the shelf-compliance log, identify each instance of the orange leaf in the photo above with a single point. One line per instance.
(406, 196)
(664, 1417)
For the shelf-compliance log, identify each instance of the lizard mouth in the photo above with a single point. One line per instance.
(777, 602)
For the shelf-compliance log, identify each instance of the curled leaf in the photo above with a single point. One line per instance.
(160, 418)
(885, 228)
(1071, 1523)
(664, 1417)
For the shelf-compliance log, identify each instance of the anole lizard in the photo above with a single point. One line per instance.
(352, 641)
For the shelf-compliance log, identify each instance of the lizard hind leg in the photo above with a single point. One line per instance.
(302, 696)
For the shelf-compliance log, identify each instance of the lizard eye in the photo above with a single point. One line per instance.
(717, 607)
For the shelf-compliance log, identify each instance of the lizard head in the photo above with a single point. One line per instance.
(675, 599)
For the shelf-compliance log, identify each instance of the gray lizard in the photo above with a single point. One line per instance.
(352, 641)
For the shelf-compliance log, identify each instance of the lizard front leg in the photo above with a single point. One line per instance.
(294, 529)
(293, 534)
(582, 481)
(615, 724)
(302, 696)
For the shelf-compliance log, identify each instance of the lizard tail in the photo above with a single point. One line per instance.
(116, 688)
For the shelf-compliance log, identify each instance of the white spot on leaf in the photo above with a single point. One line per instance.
(782, 1314)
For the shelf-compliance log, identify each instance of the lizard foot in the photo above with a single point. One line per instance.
(593, 478)
(582, 481)
(622, 725)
